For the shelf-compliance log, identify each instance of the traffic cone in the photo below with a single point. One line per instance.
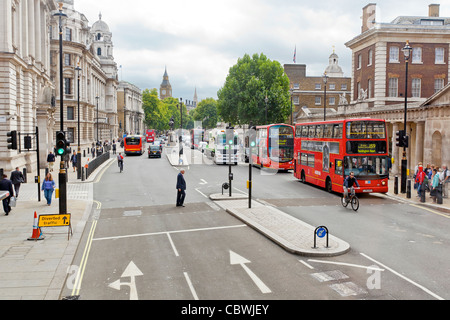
(37, 234)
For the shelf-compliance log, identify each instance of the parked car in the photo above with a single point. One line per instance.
(154, 151)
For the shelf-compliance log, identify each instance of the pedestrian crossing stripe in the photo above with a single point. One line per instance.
(54, 220)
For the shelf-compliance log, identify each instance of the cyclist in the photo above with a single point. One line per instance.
(348, 183)
(120, 161)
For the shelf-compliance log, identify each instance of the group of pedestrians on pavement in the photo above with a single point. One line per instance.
(431, 179)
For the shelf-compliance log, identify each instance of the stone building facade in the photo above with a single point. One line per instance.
(378, 83)
(129, 107)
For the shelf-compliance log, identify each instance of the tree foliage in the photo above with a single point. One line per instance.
(249, 82)
(206, 112)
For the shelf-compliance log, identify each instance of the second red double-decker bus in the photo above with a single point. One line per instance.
(134, 145)
(150, 135)
(326, 153)
(274, 147)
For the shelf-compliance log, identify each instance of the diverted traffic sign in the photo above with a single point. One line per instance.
(55, 220)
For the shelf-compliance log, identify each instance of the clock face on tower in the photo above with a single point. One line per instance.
(164, 92)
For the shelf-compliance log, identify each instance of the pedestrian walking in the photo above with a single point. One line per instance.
(17, 178)
(181, 189)
(73, 159)
(48, 186)
(114, 148)
(445, 179)
(420, 178)
(50, 160)
(6, 185)
(93, 152)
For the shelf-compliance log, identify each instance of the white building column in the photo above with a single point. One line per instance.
(419, 142)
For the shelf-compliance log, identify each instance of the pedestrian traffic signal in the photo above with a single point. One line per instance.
(230, 135)
(252, 137)
(61, 144)
(12, 140)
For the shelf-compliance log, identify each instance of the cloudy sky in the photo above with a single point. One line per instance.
(199, 40)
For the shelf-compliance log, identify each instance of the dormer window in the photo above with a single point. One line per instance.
(431, 22)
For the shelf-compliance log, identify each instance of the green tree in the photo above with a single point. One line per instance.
(206, 112)
(249, 82)
(153, 109)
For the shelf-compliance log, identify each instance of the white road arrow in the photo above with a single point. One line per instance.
(237, 259)
(131, 271)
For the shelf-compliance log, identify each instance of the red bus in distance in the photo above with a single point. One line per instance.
(274, 147)
(150, 135)
(326, 152)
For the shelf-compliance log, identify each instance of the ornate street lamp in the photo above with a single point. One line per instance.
(78, 69)
(407, 53)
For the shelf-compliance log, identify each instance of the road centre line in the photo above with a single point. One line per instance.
(167, 232)
(173, 245)
(403, 277)
(191, 287)
(432, 211)
(346, 264)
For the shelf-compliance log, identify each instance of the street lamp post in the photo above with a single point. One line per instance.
(78, 69)
(407, 53)
(98, 139)
(181, 131)
(62, 176)
(292, 111)
(266, 99)
(325, 80)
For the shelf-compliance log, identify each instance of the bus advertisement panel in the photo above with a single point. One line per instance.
(326, 153)
(134, 145)
(274, 147)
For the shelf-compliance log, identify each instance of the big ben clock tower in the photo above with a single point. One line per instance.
(165, 90)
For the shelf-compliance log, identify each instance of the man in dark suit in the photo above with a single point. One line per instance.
(181, 188)
(6, 185)
(17, 178)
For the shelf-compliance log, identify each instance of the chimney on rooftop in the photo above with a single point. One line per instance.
(433, 10)
(368, 17)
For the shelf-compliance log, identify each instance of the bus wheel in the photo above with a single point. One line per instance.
(303, 179)
(328, 185)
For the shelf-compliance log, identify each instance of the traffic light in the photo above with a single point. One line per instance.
(405, 141)
(12, 140)
(27, 143)
(399, 138)
(252, 137)
(230, 136)
(61, 144)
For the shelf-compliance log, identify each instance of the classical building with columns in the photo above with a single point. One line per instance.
(129, 107)
(29, 77)
(378, 83)
(26, 87)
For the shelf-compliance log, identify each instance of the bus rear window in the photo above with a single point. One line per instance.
(132, 141)
(365, 130)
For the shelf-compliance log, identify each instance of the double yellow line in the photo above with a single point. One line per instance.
(87, 249)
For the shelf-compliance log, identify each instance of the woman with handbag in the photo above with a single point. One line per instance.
(48, 186)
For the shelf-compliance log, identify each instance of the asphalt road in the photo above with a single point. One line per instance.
(138, 245)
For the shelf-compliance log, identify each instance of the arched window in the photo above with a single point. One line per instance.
(99, 36)
(99, 51)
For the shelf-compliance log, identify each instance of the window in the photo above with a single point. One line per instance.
(332, 101)
(71, 135)
(359, 61)
(369, 88)
(417, 55)
(68, 34)
(338, 167)
(438, 84)
(393, 87)
(319, 131)
(439, 55)
(296, 99)
(70, 113)
(332, 86)
(67, 86)
(296, 86)
(343, 86)
(393, 54)
(318, 101)
(337, 131)
(318, 86)
(369, 56)
(99, 51)
(365, 130)
(328, 131)
(416, 87)
(67, 59)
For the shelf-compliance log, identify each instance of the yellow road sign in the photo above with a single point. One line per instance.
(54, 220)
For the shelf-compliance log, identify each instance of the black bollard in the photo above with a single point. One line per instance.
(396, 185)
(422, 193)
(408, 189)
(439, 194)
(24, 172)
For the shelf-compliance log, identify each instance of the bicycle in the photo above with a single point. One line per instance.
(353, 199)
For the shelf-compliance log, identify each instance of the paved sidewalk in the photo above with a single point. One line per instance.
(37, 270)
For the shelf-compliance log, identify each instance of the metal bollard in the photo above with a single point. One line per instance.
(422, 193)
(439, 194)
(408, 189)
(396, 185)
(82, 174)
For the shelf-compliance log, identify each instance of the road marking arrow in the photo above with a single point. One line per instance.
(131, 271)
(237, 259)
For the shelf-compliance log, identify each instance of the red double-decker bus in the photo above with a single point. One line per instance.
(150, 135)
(274, 147)
(326, 153)
(134, 145)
